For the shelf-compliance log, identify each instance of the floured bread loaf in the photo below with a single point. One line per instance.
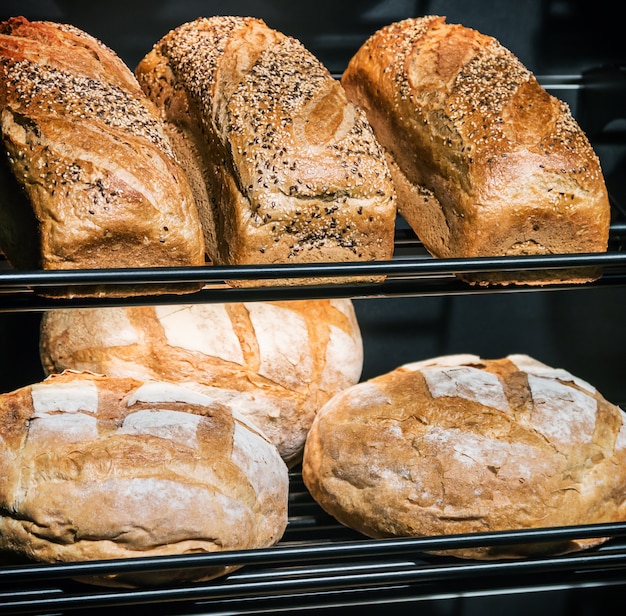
(484, 160)
(101, 468)
(276, 362)
(284, 169)
(88, 177)
(460, 444)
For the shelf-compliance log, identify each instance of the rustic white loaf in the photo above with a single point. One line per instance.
(88, 176)
(284, 168)
(484, 160)
(276, 362)
(99, 468)
(460, 444)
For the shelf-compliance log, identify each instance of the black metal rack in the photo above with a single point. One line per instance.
(322, 565)
(319, 563)
(410, 273)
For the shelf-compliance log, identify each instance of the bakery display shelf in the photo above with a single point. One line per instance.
(321, 564)
(412, 272)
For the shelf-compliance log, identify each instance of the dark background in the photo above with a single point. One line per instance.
(581, 329)
(549, 36)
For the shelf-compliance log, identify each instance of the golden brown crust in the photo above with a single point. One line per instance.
(89, 151)
(459, 444)
(289, 170)
(93, 467)
(276, 362)
(485, 161)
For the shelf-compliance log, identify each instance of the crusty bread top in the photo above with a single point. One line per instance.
(96, 467)
(65, 47)
(500, 166)
(90, 151)
(461, 444)
(276, 362)
(301, 169)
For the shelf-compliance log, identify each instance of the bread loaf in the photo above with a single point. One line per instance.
(484, 160)
(276, 362)
(89, 178)
(460, 444)
(99, 468)
(284, 169)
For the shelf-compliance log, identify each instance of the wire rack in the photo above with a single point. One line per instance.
(320, 564)
(411, 272)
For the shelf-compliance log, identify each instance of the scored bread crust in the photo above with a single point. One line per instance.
(460, 444)
(276, 362)
(284, 168)
(485, 161)
(93, 467)
(97, 180)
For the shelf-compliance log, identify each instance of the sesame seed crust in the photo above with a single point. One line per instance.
(90, 153)
(485, 161)
(46, 91)
(293, 170)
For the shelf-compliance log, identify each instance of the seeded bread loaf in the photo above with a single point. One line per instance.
(460, 444)
(485, 161)
(276, 362)
(93, 467)
(89, 178)
(284, 168)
